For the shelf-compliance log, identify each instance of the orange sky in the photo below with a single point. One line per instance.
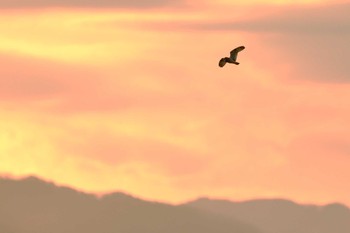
(130, 98)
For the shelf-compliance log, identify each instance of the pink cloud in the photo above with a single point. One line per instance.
(108, 148)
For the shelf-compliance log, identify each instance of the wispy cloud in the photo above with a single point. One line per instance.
(10, 4)
(310, 19)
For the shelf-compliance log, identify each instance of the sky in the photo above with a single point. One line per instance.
(127, 96)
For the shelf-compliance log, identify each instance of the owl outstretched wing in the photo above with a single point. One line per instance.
(234, 53)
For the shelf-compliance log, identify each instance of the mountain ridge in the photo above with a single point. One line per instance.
(32, 205)
(281, 215)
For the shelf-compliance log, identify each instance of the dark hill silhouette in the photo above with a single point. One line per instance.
(281, 216)
(31, 205)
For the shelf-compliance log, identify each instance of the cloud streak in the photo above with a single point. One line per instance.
(314, 19)
(18, 4)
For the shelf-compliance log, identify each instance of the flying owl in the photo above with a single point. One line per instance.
(232, 58)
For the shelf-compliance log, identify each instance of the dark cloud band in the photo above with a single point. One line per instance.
(298, 19)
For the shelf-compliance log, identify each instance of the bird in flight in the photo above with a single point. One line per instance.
(232, 58)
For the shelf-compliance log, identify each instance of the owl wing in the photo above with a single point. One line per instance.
(234, 53)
